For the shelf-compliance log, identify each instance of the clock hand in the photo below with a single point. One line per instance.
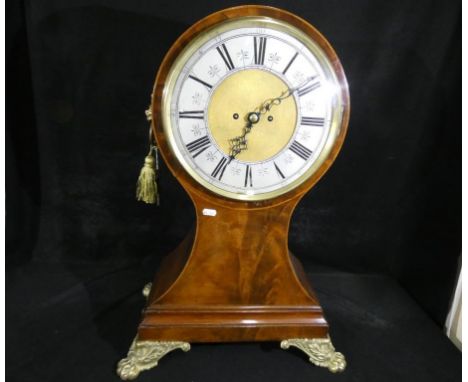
(269, 103)
(239, 143)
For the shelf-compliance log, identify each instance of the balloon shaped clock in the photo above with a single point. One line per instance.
(249, 109)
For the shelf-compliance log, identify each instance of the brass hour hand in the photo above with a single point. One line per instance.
(239, 143)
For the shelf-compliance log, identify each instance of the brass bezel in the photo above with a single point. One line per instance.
(258, 22)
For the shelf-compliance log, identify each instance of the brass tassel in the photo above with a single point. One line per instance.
(147, 184)
(147, 187)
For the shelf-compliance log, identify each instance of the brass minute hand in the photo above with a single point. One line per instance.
(239, 143)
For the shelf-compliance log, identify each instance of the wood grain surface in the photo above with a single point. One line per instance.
(233, 277)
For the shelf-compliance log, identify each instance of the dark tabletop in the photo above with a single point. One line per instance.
(75, 323)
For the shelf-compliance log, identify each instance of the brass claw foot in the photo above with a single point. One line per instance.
(144, 355)
(321, 352)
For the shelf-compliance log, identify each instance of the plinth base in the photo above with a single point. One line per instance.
(145, 354)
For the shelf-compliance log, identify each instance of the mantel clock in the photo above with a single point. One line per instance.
(249, 109)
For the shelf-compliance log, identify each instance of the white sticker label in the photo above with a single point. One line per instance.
(209, 212)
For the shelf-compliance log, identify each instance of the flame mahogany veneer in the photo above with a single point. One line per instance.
(233, 277)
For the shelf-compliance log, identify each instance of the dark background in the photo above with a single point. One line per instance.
(380, 235)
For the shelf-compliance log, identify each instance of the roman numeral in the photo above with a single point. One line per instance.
(199, 145)
(248, 176)
(194, 114)
(219, 169)
(300, 150)
(278, 170)
(259, 50)
(312, 121)
(225, 56)
(290, 63)
(200, 81)
(308, 89)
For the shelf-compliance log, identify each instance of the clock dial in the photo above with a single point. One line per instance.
(252, 108)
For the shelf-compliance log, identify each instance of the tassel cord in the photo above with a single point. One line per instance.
(147, 186)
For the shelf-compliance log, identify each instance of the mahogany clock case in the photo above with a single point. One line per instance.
(380, 232)
(235, 268)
